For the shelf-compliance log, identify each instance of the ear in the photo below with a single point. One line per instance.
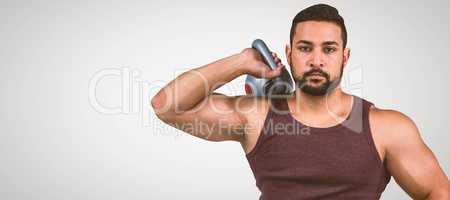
(346, 56)
(288, 52)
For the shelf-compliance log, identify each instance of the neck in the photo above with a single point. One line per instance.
(336, 101)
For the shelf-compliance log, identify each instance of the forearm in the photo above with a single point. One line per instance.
(188, 89)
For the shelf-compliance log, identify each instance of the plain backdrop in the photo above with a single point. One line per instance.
(58, 141)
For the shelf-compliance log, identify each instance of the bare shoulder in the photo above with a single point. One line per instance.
(391, 121)
(392, 128)
(254, 110)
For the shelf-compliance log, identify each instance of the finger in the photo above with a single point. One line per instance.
(274, 73)
(277, 71)
(277, 60)
(274, 54)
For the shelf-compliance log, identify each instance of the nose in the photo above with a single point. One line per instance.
(316, 59)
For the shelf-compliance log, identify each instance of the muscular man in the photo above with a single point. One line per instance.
(316, 143)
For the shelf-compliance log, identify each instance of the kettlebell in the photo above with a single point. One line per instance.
(279, 86)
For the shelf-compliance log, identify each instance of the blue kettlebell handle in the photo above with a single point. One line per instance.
(261, 47)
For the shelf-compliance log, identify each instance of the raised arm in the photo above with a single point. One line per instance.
(187, 102)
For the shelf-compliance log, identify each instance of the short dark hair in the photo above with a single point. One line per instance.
(320, 12)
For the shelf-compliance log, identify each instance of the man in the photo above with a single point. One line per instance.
(318, 142)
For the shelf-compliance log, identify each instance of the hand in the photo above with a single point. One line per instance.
(254, 65)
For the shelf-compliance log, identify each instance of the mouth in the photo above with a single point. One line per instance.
(316, 79)
(316, 75)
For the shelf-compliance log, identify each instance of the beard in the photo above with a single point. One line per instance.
(317, 87)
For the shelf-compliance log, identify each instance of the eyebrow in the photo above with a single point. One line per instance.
(330, 43)
(323, 43)
(304, 41)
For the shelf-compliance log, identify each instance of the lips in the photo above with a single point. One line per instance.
(317, 74)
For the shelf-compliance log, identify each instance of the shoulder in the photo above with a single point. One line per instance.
(393, 127)
(255, 110)
(390, 119)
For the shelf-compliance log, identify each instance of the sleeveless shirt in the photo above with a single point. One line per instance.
(294, 161)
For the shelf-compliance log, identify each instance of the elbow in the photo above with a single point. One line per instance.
(159, 105)
(156, 102)
(159, 102)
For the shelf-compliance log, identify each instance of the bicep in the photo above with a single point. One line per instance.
(215, 118)
(410, 161)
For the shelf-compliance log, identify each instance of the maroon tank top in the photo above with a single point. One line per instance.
(293, 161)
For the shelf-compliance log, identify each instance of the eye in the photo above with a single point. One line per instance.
(304, 49)
(329, 50)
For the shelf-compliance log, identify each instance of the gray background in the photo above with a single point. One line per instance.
(55, 145)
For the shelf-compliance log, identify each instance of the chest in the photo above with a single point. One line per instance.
(316, 158)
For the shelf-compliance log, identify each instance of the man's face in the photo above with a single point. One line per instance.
(317, 57)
